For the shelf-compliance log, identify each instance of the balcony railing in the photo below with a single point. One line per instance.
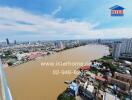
(5, 91)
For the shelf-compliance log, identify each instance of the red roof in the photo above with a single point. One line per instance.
(99, 78)
(85, 68)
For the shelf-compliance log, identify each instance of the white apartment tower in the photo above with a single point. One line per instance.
(116, 50)
(122, 48)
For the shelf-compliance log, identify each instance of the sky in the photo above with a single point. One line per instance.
(25, 20)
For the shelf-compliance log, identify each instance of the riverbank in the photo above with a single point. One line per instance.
(31, 81)
(104, 78)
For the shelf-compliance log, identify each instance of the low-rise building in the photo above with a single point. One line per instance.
(123, 77)
(123, 81)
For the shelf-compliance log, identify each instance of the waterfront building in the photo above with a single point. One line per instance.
(59, 45)
(116, 50)
(127, 46)
(78, 42)
(122, 49)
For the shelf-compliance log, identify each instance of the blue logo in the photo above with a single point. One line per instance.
(117, 11)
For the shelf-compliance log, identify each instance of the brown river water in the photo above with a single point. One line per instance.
(36, 80)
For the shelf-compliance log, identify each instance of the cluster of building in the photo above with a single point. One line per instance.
(14, 53)
(30, 56)
(108, 78)
(122, 49)
(97, 82)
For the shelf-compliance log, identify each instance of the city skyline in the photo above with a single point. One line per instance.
(62, 20)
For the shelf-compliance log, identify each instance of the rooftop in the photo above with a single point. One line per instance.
(116, 7)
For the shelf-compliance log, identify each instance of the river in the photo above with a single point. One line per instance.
(36, 81)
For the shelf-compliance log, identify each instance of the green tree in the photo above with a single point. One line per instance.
(64, 96)
(112, 67)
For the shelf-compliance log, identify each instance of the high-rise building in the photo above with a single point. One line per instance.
(123, 48)
(15, 42)
(99, 41)
(78, 42)
(59, 45)
(116, 50)
(128, 46)
(7, 41)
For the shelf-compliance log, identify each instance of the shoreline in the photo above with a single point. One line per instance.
(44, 76)
(42, 57)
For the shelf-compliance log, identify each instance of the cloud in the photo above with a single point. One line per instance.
(13, 20)
(125, 32)
(17, 21)
(56, 10)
